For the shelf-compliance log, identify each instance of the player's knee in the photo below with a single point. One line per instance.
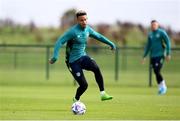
(86, 85)
(96, 68)
(157, 72)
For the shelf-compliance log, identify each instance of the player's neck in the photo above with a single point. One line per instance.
(155, 30)
(81, 27)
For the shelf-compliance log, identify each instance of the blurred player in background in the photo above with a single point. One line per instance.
(76, 58)
(159, 46)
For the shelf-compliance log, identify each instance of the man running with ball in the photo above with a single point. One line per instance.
(76, 58)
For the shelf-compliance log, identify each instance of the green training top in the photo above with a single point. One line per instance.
(158, 44)
(76, 38)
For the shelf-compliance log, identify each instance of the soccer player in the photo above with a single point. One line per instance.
(159, 47)
(76, 58)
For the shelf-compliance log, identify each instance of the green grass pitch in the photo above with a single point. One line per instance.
(26, 94)
(31, 97)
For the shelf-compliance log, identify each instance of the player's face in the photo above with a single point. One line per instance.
(82, 20)
(154, 26)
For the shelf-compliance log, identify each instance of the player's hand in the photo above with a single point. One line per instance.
(52, 60)
(143, 61)
(168, 58)
(113, 47)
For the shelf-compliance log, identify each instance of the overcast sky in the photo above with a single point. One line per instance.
(48, 12)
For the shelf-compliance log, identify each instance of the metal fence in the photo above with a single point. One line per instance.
(29, 56)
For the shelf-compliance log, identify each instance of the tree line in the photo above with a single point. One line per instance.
(123, 33)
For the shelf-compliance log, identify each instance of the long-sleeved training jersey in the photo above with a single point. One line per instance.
(76, 38)
(158, 44)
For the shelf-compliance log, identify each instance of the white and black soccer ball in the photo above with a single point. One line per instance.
(78, 108)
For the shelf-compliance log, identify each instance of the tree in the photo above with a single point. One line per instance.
(68, 19)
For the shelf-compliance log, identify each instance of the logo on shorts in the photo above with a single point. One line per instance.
(78, 74)
(156, 64)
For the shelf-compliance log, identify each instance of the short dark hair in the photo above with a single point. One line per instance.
(153, 21)
(80, 13)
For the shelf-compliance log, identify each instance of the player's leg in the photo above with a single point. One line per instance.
(157, 63)
(79, 77)
(90, 64)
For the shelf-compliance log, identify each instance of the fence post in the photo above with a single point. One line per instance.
(124, 58)
(150, 73)
(116, 64)
(47, 61)
(15, 59)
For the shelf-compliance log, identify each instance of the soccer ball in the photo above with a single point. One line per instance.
(78, 108)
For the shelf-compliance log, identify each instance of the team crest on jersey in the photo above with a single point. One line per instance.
(87, 34)
(157, 35)
(151, 36)
(78, 36)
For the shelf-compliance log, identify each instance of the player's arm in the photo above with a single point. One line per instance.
(101, 38)
(146, 50)
(168, 45)
(59, 43)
